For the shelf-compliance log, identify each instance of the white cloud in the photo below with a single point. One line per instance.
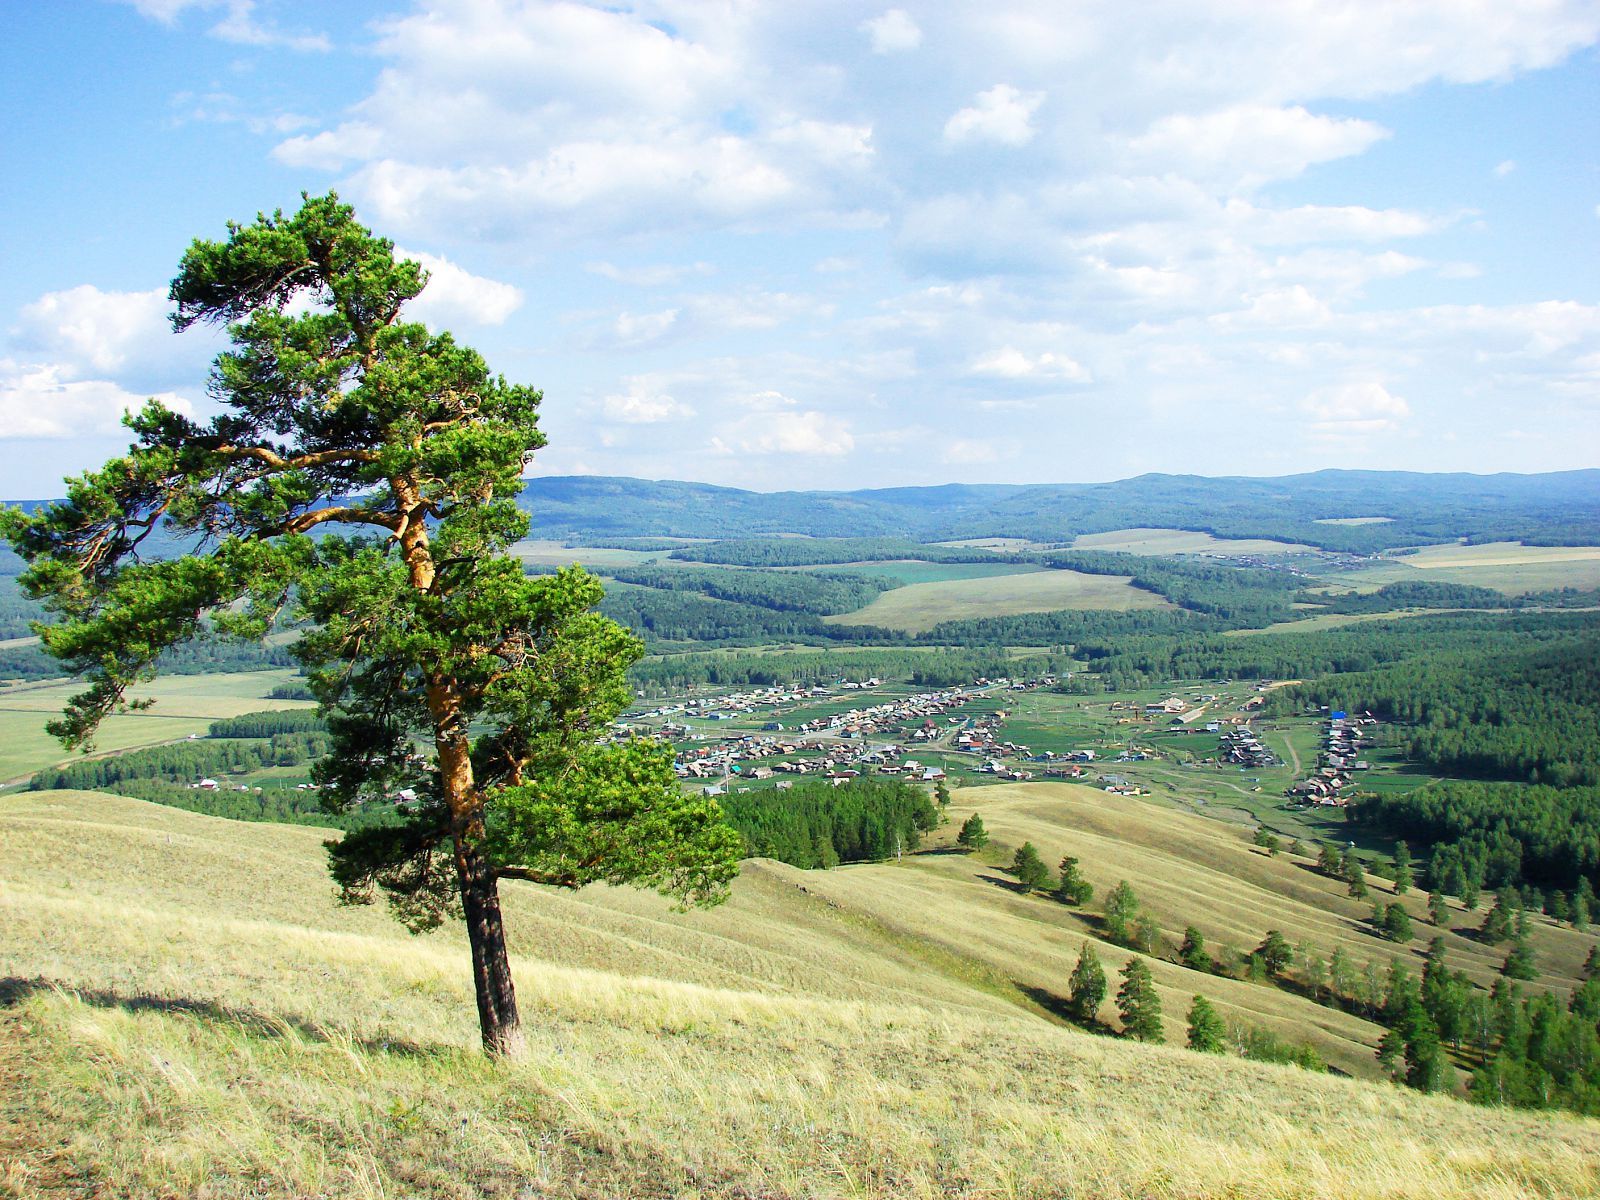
(95, 330)
(455, 295)
(239, 23)
(893, 32)
(808, 433)
(1003, 115)
(641, 329)
(1504, 168)
(643, 404)
(1355, 409)
(1250, 144)
(332, 148)
(1011, 363)
(36, 401)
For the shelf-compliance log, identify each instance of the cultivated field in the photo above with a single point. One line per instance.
(1182, 541)
(185, 704)
(165, 1031)
(921, 606)
(906, 571)
(1505, 566)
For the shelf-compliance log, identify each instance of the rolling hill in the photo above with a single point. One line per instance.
(184, 1011)
(1334, 510)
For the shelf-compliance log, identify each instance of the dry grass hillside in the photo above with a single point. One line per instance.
(185, 1012)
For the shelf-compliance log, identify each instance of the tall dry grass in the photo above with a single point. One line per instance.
(187, 1014)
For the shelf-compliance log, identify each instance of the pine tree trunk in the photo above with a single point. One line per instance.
(491, 966)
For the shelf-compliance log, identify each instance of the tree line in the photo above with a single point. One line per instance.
(816, 824)
(923, 668)
(821, 593)
(813, 552)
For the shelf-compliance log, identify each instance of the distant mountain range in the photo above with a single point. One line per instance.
(1558, 508)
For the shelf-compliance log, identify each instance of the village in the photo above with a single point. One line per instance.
(1337, 762)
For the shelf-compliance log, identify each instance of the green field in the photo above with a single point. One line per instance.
(919, 607)
(909, 571)
(185, 704)
(1504, 566)
(1182, 541)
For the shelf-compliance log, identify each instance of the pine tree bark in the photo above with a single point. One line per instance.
(498, 1021)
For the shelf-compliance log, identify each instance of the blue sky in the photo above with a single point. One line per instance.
(779, 245)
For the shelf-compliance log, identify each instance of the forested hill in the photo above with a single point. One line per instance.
(1557, 508)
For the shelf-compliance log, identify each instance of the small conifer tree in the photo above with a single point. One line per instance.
(1086, 989)
(1029, 868)
(1122, 907)
(1519, 962)
(1275, 953)
(1207, 1032)
(1193, 953)
(1397, 923)
(1138, 1004)
(1403, 877)
(973, 835)
(1073, 888)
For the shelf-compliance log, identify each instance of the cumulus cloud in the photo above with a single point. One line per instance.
(1250, 144)
(1002, 115)
(809, 433)
(37, 401)
(1011, 363)
(94, 330)
(644, 404)
(1355, 409)
(893, 32)
(455, 295)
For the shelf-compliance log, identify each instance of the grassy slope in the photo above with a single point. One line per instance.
(921, 606)
(233, 1033)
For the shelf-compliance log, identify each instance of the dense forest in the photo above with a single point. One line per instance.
(952, 667)
(816, 824)
(1501, 709)
(662, 615)
(821, 593)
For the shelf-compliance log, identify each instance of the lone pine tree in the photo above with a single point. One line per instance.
(972, 834)
(400, 451)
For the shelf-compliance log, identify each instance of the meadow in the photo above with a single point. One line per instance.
(919, 607)
(544, 553)
(184, 705)
(910, 571)
(1182, 541)
(1507, 567)
(880, 1030)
